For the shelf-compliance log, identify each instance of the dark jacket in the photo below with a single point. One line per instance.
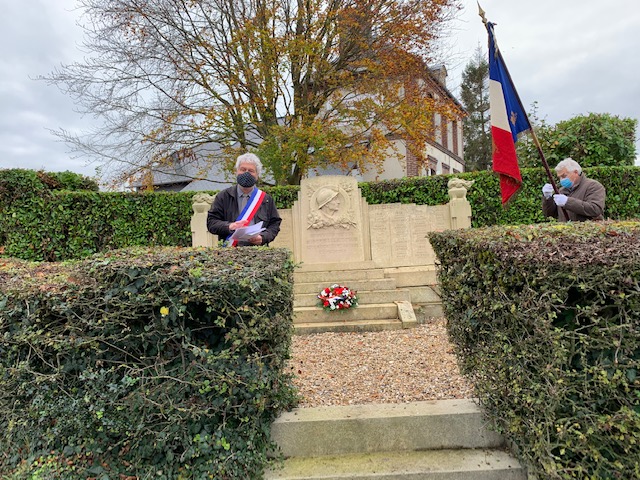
(585, 202)
(224, 211)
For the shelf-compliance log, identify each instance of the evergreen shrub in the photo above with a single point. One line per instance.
(164, 363)
(68, 225)
(545, 320)
(39, 224)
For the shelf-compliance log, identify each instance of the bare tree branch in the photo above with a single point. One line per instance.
(303, 81)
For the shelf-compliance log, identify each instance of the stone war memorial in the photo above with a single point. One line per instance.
(381, 251)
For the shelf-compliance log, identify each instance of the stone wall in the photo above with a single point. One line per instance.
(331, 223)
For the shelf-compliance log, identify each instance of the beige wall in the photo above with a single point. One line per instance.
(351, 231)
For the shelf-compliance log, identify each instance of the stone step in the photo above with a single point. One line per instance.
(431, 310)
(337, 266)
(348, 326)
(424, 294)
(357, 285)
(438, 440)
(357, 429)
(364, 297)
(376, 311)
(466, 464)
(412, 276)
(344, 275)
(415, 295)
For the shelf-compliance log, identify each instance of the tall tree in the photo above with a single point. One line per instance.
(474, 95)
(308, 82)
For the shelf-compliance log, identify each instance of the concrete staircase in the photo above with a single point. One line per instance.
(386, 297)
(434, 440)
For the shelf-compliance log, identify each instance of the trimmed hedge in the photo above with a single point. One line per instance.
(17, 185)
(60, 226)
(165, 363)
(545, 321)
(622, 203)
(39, 224)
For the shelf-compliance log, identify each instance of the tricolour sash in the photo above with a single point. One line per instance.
(249, 211)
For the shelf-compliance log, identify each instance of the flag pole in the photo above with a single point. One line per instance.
(552, 181)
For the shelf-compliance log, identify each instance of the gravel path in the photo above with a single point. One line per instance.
(377, 367)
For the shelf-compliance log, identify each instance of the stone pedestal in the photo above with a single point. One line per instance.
(328, 221)
(199, 234)
(459, 206)
(332, 227)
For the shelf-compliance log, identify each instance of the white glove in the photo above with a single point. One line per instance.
(560, 199)
(547, 190)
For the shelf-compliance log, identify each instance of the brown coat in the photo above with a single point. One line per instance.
(585, 202)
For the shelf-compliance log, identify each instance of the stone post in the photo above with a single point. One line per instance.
(200, 237)
(459, 206)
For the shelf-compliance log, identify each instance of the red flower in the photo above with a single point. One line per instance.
(337, 297)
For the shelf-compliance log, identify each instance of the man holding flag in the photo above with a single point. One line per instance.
(243, 205)
(508, 121)
(580, 198)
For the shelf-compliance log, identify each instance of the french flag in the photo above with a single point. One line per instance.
(508, 120)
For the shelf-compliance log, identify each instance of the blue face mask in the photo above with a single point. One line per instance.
(566, 183)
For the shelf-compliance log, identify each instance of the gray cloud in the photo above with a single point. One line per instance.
(35, 37)
(571, 57)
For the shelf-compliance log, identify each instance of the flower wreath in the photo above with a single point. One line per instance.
(337, 297)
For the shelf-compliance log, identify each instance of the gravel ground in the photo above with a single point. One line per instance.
(377, 367)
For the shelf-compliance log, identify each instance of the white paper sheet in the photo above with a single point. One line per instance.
(245, 233)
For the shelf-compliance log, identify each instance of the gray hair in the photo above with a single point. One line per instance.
(251, 158)
(570, 164)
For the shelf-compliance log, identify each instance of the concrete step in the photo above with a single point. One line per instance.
(423, 294)
(348, 326)
(357, 429)
(375, 286)
(364, 297)
(433, 310)
(412, 276)
(337, 266)
(357, 285)
(481, 464)
(376, 311)
(344, 275)
(433, 440)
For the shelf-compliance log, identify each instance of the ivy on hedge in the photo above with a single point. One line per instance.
(544, 319)
(164, 363)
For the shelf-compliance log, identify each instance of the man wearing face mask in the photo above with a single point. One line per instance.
(244, 204)
(580, 197)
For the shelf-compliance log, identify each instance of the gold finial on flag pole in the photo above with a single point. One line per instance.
(481, 12)
(488, 25)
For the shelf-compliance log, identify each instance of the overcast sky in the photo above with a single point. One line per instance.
(573, 57)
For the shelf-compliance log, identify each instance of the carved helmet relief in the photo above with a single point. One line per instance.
(329, 207)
